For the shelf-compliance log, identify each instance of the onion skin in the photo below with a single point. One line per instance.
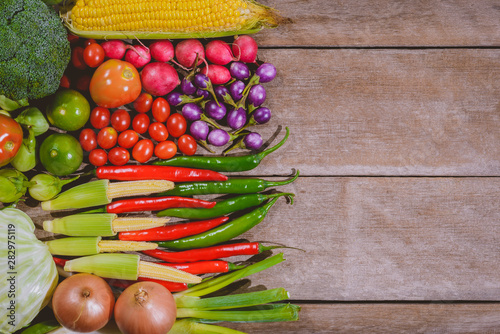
(145, 308)
(83, 303)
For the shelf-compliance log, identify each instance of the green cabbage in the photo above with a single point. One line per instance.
(27, 271)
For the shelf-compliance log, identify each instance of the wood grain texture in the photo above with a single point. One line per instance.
(386, 318)
(393, 23)
(385, 112)
(381, 239)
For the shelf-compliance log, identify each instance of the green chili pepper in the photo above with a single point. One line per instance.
(221, 208)
(224, 163)
(222, 233)
(232, 186)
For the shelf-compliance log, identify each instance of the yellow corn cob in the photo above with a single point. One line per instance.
(158, 271)
(136, 188)
(113, 246)
(166, 18)
(125, 224)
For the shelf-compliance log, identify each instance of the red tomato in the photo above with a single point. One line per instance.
(88, 139)
(160, 109)
(88, 42)
(93, 55)
(120, 120)
(176, 125)
(64, 81)
(11, 139)
(107, 137)
(128, 138)
(140, 123)
(158, 131)
(166, 149)
(99, 117)
(118, 156)
(77, 58)
(115, 83)
(143, 150)
(143, 103)
(187, 144)
(98, 157)
(83, 82)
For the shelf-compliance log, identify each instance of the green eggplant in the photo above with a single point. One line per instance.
(26, 157)
(13, 185)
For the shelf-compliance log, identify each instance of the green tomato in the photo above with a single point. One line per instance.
(61, 154)
(69, 110)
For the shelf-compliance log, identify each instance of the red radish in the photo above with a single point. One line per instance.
(245, 49)
(138, 56)
(162, 50)
(219, 52)
(187, 50)
(217, 74)
(159, 78)
(114, 49)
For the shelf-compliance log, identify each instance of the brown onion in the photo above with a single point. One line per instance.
(83, 303)
(145, 308)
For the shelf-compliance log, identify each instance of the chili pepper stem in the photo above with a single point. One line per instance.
(264, 153)
(281, 183)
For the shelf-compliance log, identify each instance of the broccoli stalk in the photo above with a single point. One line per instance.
(35, 50)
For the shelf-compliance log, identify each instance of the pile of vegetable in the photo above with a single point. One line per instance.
(155, 99)
(123, 139)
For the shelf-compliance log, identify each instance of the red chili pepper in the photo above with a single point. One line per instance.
(204, 267)
(123, 284)
(209, 253)
(172, 232)
(156, 204)
(152, 172)
(59, 262)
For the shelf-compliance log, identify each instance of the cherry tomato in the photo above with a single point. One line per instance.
(176, 125)
(118, 156)
(187, 144)
(11, 139)
(160, 109)
(120, 120)
(64, 81)
(93, 55)
(115, 83)
(99, 117)
(88, 42)
(143, 103)
(140, 123)
(73, 38)
(88, 139)
(143, 150)
(98, 157)
(83, 82)
(128, 138)
(77, 58)
(107, 137)
(158, 131)
(166, 149)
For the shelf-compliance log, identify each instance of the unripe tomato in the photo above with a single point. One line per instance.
(11, 139)
(115, 83)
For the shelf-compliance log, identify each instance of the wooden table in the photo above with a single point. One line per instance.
(394, 113)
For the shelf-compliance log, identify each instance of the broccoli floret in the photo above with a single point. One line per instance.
(35, 49)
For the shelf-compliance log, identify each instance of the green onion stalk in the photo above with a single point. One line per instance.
(196, 315)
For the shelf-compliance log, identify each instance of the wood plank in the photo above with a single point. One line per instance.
(438, 317)
(385, 112)
(385, 23)
(379, 239)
